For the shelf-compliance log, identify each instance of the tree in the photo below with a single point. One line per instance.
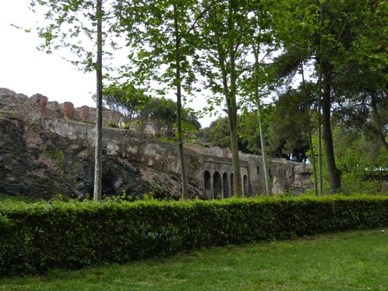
(362, 164)
(218, 133)
(364, 88)
(224, 50)
(163, 34)
(161, 113)
(287, 130)
(233, 32)
(331, 36)
(70, 22)
(126, 101)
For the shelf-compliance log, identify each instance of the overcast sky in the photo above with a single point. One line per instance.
(26, 70)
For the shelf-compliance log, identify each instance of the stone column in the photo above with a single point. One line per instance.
(68, 110)
(85, 115)
(43, 106)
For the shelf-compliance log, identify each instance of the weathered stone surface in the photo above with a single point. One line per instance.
(42, 154)
(43, 163)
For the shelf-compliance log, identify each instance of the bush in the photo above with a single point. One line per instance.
(112, 125)
(67, 235)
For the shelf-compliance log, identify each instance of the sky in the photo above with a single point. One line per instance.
(26, 70)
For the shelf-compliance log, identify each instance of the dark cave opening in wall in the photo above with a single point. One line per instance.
(217, 185)
(206, 178)
(225, 183)
(246, 186)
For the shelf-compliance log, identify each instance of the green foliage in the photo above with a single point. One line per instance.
(362, 162)
(112, 125)
(55, 153)
(289, 121)
(42, 236)
(126, 100)
(218, 133)
(71, 25)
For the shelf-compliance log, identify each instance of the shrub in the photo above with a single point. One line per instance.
(41, 236)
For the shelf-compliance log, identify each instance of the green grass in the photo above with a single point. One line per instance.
(346, 261)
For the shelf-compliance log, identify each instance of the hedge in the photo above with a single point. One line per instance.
(35, 238)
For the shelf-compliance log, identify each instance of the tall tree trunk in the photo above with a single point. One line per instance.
(322, 16)
(309, 132)
(231, 105)
(230, 98)
(232, 112)
(376, 117)
(98, 147)
(313, 160)
(334, 173)
(320, 163)
(263, 153)
(185, 194)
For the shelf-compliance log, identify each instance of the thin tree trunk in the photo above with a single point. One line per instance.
(98, 147)
(232, 110)
(334, 173)
(310, 135)
(265, 168)
(322, 16)
(376, 115)
(320, 164)
(313, 160)
(237, 185)
(185, 194)
(230, 98)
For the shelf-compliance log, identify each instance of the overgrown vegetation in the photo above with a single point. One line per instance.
(55, 153)
(43, 236)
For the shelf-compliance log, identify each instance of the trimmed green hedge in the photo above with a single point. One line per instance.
(37, 237)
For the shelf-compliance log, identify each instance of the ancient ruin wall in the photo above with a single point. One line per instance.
(211, 167)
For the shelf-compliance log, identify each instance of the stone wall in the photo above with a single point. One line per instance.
(209, 169)
(38, 106)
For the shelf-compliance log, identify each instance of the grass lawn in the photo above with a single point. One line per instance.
(346, 261)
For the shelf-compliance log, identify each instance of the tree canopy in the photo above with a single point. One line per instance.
(324, 63)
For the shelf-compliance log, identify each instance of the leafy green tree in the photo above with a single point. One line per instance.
(361, 163)
(225, 42)
(163, 34)
(126, 101)
(287, 132)
(218, 133)
(162, 114)
(363, 103)
(69, 23)
(335, 37)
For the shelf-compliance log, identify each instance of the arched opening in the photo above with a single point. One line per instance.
(246, 186)
(225, 183)
(217, 185)
(206, 178)
(231, 185)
